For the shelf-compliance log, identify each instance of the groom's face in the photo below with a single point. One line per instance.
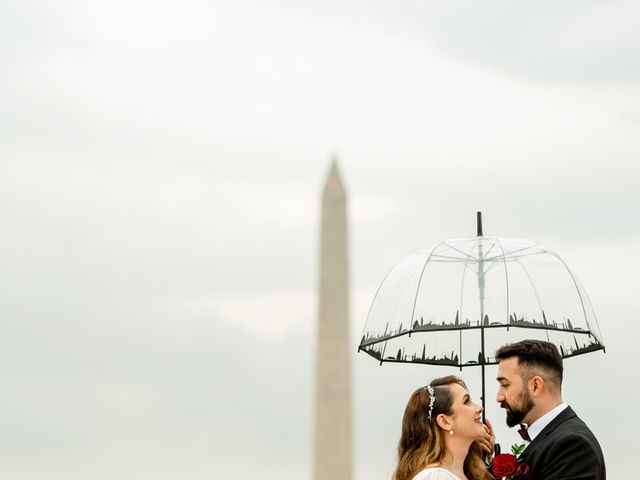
(513, 394)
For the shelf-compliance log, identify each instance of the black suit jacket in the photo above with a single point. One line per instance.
(564, 450)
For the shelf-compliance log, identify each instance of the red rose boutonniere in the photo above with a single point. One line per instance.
(506, 465)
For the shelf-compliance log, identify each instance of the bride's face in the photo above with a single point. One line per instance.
(466, 418)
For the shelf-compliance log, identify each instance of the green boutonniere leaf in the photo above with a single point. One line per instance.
(517, 449)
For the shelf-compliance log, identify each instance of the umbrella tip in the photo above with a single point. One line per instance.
(479, 223)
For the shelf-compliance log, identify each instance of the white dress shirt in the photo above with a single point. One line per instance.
(536, 427)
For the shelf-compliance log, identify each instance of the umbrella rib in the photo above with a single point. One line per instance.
(378, 290)
(464, 274)
(447, 258)
(492, 266)
(415, 298)
(574, 282)
(459, 251)
(535, 290)
(597, 327)
(506, 276)
(511, 255)
(456, 259)
(489, 251)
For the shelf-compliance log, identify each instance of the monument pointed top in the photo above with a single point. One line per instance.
(334, 184)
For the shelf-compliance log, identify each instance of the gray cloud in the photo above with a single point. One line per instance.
(574, 43)
(137, 385)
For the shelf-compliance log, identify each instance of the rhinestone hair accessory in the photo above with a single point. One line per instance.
(432, 399)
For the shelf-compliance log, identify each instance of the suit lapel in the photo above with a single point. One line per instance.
(563, 416)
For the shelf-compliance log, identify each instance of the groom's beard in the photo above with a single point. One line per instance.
(515, 414)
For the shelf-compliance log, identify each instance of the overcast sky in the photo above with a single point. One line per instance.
(159, 197)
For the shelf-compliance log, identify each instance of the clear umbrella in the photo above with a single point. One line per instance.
(458, 302)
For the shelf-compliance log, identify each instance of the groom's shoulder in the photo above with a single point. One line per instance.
(568, 448)
(570, 428)
(570, 421)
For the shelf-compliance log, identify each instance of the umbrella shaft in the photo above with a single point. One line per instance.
(482, 365)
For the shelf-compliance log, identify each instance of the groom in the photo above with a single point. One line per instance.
(559, 446)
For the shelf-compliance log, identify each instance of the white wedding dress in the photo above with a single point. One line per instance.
(435, 473)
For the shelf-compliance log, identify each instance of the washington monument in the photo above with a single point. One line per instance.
(333, 373)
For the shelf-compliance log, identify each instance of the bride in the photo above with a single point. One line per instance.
(443, 436)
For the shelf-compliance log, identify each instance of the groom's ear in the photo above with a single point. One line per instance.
(536, 385)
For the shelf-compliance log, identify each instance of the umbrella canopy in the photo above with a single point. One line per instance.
(458, 302)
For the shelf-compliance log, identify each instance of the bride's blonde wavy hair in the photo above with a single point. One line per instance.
(422, 440)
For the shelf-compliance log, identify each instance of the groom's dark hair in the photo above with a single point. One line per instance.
(535, 355)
